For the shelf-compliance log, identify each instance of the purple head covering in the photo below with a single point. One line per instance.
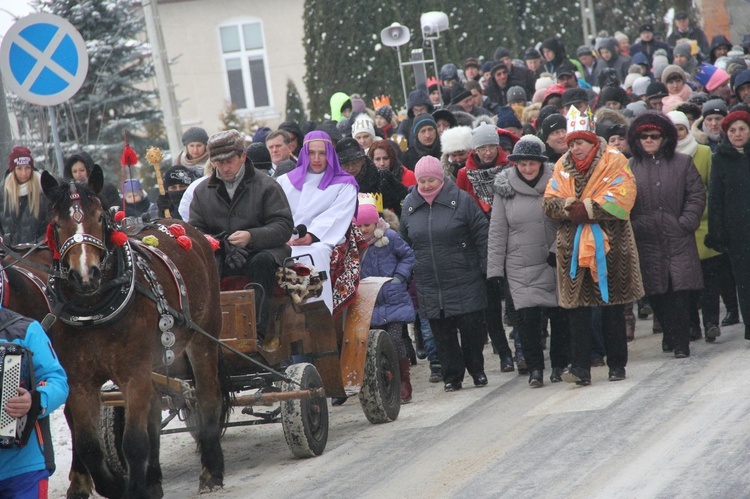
(333, 173)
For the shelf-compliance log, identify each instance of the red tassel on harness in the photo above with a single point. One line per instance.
(119, 216)
(213, 242)
(50, 239)
(129, 157)
(118, 238)
(185, 242)
(177, 230)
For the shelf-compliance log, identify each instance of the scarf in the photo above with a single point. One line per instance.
(716, 137)
(612, 186)
(688, 145)
(378, 237)
(583, 165)
(482, 181)
(194, 164)
(430, 196)
(232, 184)
(531, 183)
(23, 189)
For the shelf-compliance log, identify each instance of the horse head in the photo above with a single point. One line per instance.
(78, 229)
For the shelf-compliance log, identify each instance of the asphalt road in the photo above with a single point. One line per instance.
(673, 428)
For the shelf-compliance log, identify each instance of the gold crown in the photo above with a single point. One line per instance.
(373, 198)
(383, 100)
(578, 122)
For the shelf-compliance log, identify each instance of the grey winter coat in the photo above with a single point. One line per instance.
(520, 239)
(259, 206)
(666, 214)
(449, 240)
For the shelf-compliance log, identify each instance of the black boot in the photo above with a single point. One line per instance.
(409, 346)
(732, 318)
(436, 371)
(536, 378)
(421, 354)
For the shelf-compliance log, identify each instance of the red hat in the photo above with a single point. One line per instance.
(18, 157)
(735, 116)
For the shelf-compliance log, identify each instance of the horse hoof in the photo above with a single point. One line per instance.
(209, 483)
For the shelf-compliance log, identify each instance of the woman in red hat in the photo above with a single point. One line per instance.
(24, 215)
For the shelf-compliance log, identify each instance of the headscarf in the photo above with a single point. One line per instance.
(333, 173)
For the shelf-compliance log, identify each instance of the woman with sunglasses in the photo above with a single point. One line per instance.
(666, 214)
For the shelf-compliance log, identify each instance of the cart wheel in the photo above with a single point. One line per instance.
(111, 428)
(380, 395)
(305, 421)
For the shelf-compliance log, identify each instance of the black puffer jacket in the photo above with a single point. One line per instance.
(449, 240)
(23, 228)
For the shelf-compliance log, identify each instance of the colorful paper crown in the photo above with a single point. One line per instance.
(578, 122)
(383, 100)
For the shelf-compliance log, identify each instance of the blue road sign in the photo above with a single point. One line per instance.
(43, 59)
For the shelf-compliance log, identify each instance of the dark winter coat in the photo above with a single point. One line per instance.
(561, 59)
(728, 202)
(520, 239)
(390, 256)
(24, 228)
(620, 63)
(449, 240)
(372, 180)
(417, 150)
(693, 33)
(416, 98)
(667, 212)
(716, 42)
(649, 48)
(522, 77)
(258, 206)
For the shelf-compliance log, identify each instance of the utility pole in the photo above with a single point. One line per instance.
(163, 77)
(588, 20)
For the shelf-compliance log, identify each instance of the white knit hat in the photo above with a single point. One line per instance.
(363, 123)
(679, 118)
(640, 85)
(630, 79)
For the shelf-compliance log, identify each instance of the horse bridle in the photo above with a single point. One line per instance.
(81, 239)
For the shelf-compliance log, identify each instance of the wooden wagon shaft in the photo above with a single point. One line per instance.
(270, 398)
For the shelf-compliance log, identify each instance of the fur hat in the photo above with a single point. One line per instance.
(194, 134)
(444, 114)
(20, 156)
(177, 175)
(348, 150)
(223, 145)
(652, 120)
(710, 76)
(259, 155)
(574, 96)
(552, 123)
(456, 139)
(366, 214)
(428, 166)
(363, 124)
(484, 135)
(640, 85)
(715, 106)
(529, 147)
(735, 116)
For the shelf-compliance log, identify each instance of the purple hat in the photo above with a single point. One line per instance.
(333, 173)
(132, 185)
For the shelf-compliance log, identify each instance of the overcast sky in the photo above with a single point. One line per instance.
(9, 11)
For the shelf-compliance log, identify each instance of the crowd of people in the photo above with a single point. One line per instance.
(579, 191)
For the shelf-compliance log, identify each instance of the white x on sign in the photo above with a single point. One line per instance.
(43, 59)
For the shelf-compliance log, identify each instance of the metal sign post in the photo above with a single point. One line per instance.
(44, 61)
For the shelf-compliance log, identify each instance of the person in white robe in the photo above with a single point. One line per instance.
(323, 198)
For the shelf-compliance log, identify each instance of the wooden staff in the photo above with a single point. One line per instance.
(153, 156)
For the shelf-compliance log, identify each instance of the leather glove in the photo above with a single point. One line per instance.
(235, 256)
(552, 260)
(577, 212)
(162, 201)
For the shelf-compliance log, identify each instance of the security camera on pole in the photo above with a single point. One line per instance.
(44, 61)
(396, 35)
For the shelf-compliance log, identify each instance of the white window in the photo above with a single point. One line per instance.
(244, 52)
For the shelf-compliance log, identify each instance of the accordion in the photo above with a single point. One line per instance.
(15, 371)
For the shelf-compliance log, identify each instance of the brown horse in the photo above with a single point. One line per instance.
(112, 296)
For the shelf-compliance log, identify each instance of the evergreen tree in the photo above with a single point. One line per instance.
(295, 109)
(116, 94)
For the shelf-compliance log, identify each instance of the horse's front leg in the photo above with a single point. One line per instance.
(136, 442)
(84, 412)
(153, 472)
(81, 485)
